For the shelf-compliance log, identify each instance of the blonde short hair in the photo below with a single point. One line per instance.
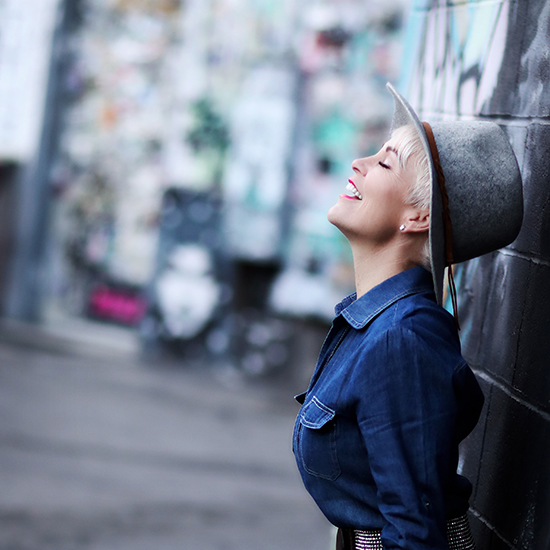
(410, 149)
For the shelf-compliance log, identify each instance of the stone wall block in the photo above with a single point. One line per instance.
(481, 533)
(500, 330)
(492, 295)
(469, 278)
(533, 238)
(523, 87)
(533, 89)
(531, 373)
(471, 448)
(517, 135)
(505, 99)
(508, 494)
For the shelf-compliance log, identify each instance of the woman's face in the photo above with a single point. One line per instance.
(374, 205)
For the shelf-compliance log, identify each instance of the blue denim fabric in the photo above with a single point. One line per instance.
(376, 439)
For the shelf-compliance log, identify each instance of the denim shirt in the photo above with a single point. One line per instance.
(376, 439)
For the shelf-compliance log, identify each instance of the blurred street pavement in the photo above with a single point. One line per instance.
(102, 450)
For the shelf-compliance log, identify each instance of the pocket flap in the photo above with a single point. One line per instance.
(316, 414)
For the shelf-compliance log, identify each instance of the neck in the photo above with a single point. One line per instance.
(374, 265)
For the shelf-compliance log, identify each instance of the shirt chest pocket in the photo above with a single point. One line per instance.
(316, 440)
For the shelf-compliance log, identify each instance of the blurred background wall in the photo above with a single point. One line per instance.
(490, 61)
(177, 179)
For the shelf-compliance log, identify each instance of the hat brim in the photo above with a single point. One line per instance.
(404, 115)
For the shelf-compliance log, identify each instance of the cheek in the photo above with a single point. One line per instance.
(387, 205)
(377, 217)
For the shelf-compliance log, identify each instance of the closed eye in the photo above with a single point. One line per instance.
(384, 165)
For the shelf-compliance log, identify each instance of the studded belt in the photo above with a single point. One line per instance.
(459, 537)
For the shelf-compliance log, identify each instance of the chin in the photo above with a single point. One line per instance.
(332, 215)
(338, 220)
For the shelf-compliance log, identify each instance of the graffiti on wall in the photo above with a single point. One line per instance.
(455, 54)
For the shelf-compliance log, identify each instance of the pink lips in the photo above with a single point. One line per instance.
(353, 198)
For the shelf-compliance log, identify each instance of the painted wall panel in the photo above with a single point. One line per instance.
(458, 58)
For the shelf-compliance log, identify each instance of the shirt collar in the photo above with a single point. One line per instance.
(359, 312)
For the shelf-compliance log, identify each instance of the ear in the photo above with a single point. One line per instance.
(417, 221)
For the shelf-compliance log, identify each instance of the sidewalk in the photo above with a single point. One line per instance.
(72, 335)
(101, 451)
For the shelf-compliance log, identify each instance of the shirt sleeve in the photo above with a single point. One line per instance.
(406, 413)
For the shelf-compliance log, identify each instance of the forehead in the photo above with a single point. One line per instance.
(393, 149)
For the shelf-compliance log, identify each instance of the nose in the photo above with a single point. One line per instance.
(361, 166)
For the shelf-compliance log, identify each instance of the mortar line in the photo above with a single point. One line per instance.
(523, 256)
(489, 526)
(511, 392)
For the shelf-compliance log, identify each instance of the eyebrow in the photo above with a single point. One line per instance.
(391, 149)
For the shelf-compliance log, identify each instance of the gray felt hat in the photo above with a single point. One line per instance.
(482, 181)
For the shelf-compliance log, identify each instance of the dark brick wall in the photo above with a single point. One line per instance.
(500, 72)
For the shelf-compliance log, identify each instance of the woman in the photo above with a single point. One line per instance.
(376, 439)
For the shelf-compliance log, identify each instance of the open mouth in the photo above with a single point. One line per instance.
(353, 190)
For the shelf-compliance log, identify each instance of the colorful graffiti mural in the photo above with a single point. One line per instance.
(453, 56)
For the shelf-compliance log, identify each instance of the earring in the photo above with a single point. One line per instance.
(402, 227)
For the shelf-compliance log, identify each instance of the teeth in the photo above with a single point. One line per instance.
(352, 189)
